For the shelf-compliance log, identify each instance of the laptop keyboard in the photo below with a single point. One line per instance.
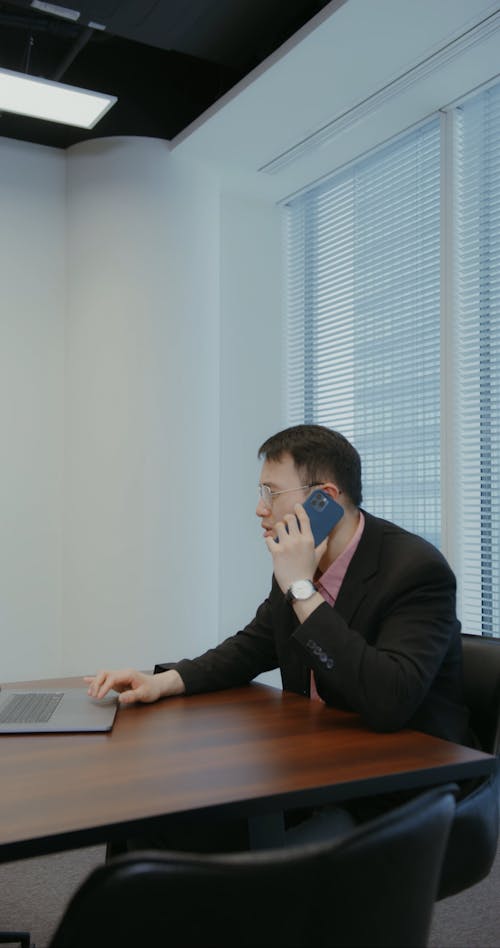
(30, 708)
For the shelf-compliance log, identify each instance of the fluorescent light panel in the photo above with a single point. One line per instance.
(52, 101)
(65, 12)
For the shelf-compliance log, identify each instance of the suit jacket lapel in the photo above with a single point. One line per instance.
(363, 565)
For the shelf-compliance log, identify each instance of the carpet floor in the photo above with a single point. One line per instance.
(34, 892)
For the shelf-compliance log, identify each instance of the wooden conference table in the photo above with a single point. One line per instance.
(249, 752)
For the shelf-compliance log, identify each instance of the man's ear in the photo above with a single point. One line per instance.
(332, 490)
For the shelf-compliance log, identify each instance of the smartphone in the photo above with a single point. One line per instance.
(324, 513)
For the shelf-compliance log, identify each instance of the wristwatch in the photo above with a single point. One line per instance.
(301, 589)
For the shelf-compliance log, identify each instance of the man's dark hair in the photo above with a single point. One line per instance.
(321, 454)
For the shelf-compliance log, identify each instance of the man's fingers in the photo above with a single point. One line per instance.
(292, 524)
(130, 696)
(303, 520)
(271, 544)
(104, 681)
(108, 683)
(280, 529)
(131, 685)
(94, 682)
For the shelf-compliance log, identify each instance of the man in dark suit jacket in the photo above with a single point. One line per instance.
(385, 643)
(364, 621)
(390, 647)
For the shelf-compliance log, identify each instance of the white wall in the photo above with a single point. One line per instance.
(32, 268)
(251, 395)
(140, 370)
(142, 425)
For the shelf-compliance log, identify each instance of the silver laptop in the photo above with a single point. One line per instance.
(52, 712)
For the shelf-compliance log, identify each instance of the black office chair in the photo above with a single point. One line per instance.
(374, 887)
(473, 841)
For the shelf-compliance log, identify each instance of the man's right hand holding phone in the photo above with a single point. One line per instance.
(296, 558)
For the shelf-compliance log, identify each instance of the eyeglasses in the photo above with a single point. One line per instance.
(268, 495)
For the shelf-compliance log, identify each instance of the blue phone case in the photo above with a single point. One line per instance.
(324, 513)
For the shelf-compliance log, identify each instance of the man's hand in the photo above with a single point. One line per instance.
(294, 556)
(135, 686)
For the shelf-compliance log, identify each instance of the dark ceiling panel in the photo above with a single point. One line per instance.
(230, 32)
(166, 60)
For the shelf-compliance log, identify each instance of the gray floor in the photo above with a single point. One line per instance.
(33, 894)
(470, 919)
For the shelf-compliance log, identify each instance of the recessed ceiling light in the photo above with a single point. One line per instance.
(65, 12)
(52, 101)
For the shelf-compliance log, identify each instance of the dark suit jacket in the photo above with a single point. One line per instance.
(390, 648)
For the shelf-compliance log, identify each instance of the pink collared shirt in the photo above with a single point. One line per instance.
(331, 580)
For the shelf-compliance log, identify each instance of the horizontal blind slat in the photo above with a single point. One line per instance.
(363, 334)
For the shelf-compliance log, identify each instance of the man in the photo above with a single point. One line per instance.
(371, 625)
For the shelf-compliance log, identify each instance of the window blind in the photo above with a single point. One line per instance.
(477, 145)
(363, 333)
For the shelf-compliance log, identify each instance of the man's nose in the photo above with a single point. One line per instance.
(261, 510)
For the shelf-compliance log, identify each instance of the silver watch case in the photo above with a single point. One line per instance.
(300, 590)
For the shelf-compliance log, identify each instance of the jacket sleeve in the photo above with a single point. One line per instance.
(234, 662)
(385, 672)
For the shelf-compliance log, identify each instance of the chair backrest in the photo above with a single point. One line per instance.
(481, 663)
(374, 887)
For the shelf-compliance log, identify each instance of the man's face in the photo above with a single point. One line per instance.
(280, 476)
